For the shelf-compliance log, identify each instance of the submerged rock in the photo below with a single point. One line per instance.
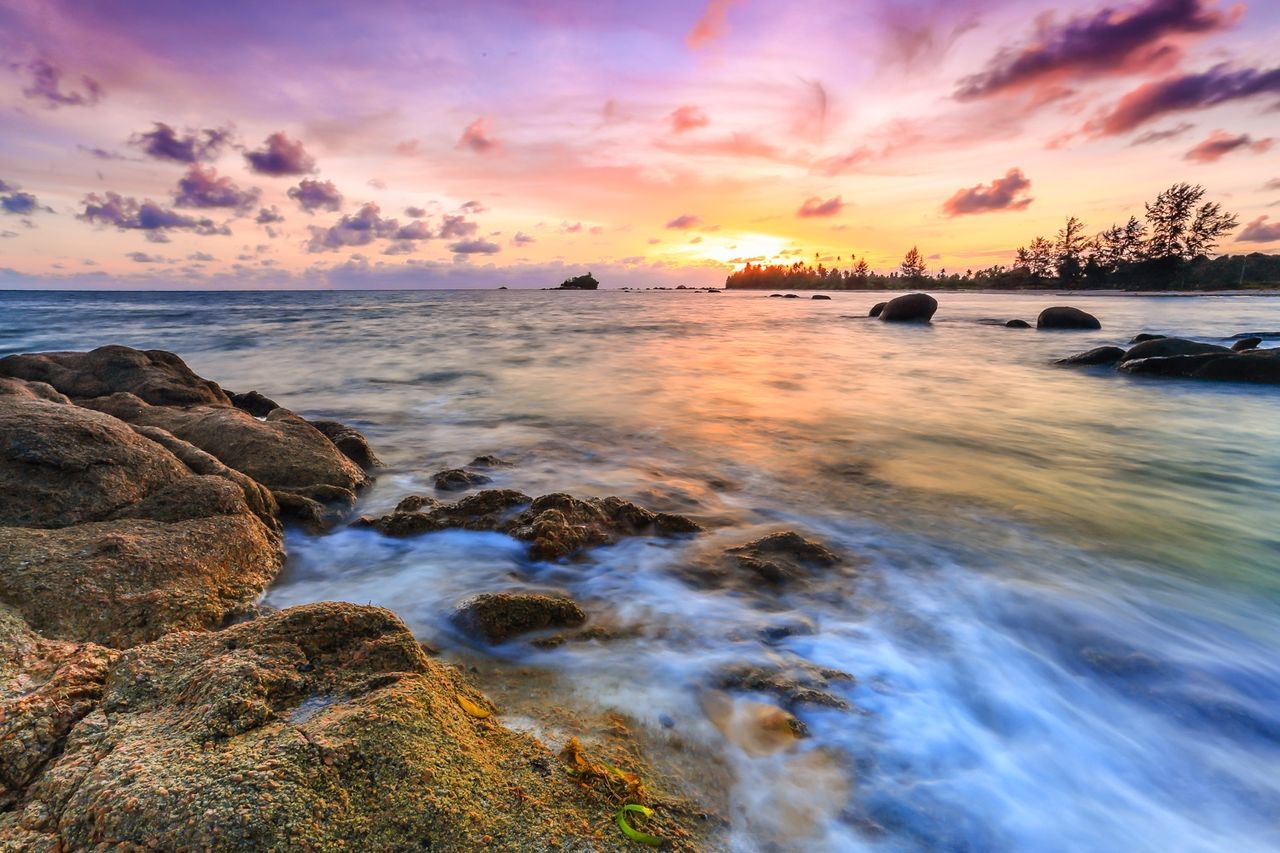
(1165, 347)
(1017, 324)
(1097, 355)
(555, 525)
(909, 308)
(877, 309)
(1145, 336)
(819, 296)
(1184, 366)
(1246, 344)
(1261, 366)
(794, 681)
(1066, 317)
(154, 376)
(496, 617)
(459, 479)
(778, 558)
(490, 461)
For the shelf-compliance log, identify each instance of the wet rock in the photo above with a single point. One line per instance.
(794, 681)
(775, 295)
(777, 560)
(307, 512)
(1261, 366)
(909, 308)
(555, 525)
(1066, 317)
(790, 296)
(491, 461)
(154, 376)
(819, 296)
(417, 503)
(1017, 324)
(877, 309)
(1246, 344)
(1145, 336)
(253, 403)
(459, 480)
(1097, 355)
(319, 727)
(1165, 347)
(497, 617)
(350, 441)
(1184, 366)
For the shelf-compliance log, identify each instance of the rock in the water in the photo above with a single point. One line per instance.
(350, 441)
(490, 461)
(1066, 317)
(1173, 365)
(1146, 336)
(1246, 344)
(459, 480)
(877, 309)
(777, 559)
(496, 617)
(819, 296)
(254, 403)
(1097, 355)
(155, 376)
(1017, 324)
(775, 295)
(790, 296)
(1262, 366)
(795, 682)
(1165, 347)
(321, 727)
(555, 525)
(909, 308)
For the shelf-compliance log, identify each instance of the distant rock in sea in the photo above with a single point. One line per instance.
(580, 282)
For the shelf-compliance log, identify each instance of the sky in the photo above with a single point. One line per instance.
(398, 144)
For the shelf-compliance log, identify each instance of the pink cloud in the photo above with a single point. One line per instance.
(1220, 143)
(815, 206)
(1007, 193)
(1260, 231)
(711, 26)
(478, 137)
(684, 222)
(688, 118)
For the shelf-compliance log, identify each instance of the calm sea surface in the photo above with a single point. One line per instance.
(1065, 634)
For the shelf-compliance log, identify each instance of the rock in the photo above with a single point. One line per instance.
(1145, 336)
(794, 681)
(910, 308)
(555, 525)
(1262, 366)
(776, 559)
(1097, 355)
(819, 296)
(350, 441)
(1017, 324)
(154, 376)
(790, 296)
(321, 727)
(775, 295)
(1165, 347)
(490, 461)
(1065, 317)
(30, 390)
(1246, 344)
(1183, 366)
(254, 403)
(877, 309)
(496, 617)
(459, 480)
(417, 503)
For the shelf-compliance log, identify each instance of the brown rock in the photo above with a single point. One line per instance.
(496, 617)
(776, 560)
(254, 403)
(155, 376)
(459, 480)
(795, 682)
(350, 441)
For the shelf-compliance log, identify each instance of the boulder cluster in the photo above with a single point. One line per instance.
(1156, 355)
(920, 308)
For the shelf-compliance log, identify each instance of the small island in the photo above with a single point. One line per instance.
(580, 282)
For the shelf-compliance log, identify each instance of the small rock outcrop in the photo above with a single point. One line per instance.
(497, 617)
(1066, 317)
(1017, 324)
(1166, 347)
(877, 309)
(819, 296)
(350, 441)
(1145, 336)
(254, 403)
(154, 376)
(794, 681)
(580, 282)
(909, 308)
(1097, 355)
(1246, 344)
(460, 479)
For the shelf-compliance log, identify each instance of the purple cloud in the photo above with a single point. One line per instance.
(1260, 231)
(46, 86)
(456, 227)
(815, 206)
(130, 214)
(1220, 143)
(474, 247)
(165, 143)
(478, 137)
(522, 239)
(473, 207)
(16, 202)
(1110, 40)
(101, 153)
(281, 155)
(268, 216)
(1161, 135)
(416, 230)
(312, 195)
(684, 222)
(144, 258)
(415, 212)
(1001, 194)
(356, 229)
(201, 187)
(1151, 101)
(201, 257)
(687, 118)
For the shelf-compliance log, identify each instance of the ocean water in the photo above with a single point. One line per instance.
(1064, 621)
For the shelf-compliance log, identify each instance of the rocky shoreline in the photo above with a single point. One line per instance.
(148, 702)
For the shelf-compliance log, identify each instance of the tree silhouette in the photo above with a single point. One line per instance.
(913, 266)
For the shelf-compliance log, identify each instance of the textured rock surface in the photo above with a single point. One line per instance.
(779, 559)
(1166, 347)
(496, 617)
(1066, 317)
(1097, 355)
(156, 376)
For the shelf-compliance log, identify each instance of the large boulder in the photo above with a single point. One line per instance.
(1184, 366)
(877, 309)
(496, 617)
(909, 308)
(1066, 317)
(1262, 366)
(321, 727)
(155, 376)
(1166, 347)
(555, 525)
(1017, 324)
(1097, 355)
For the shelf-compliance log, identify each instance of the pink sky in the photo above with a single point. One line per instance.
(398, 144)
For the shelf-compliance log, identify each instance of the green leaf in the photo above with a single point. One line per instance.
(635, 834)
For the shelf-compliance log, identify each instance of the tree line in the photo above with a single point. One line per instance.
(1167, 249)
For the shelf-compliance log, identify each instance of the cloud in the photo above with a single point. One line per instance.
(1260, 231)
(357, 229)
(101, 153)
(201, 187)
(456, 227)
(473, 207)
(268, 216)
(712, 26)
(415, 230)
(18, 203)
(566, 228)
(312, 195)
(1151, 101)
(1001, 194)
(684, 222)
(686, 118)
(201, 257)
(407, 148)
(46, 86)
(815, 206)
(478, 137)
(1108, 41)
(474, 247)
(415, 212)
(130, 214)
(734, 145)
(522, 239)
(1273, 184)
(144, 258)
(1162, 135)
(165, 143)
(1220, 143)
(281, 155)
